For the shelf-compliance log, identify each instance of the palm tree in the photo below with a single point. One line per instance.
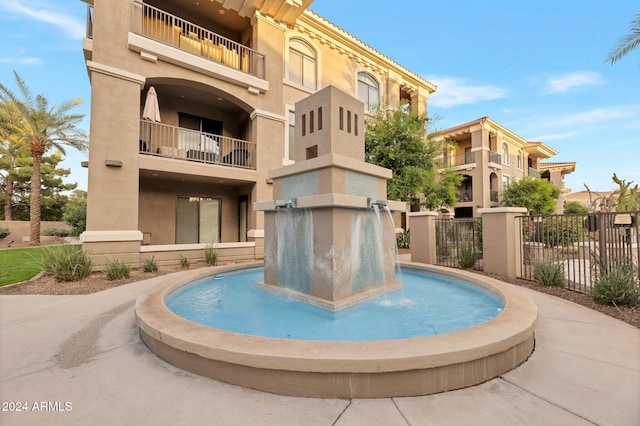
(627, 43)
(40, 127)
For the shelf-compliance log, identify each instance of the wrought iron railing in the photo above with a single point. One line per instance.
(169, 29)
(582, 246)
(465, 195)
(459, 160)
(493, 195)
(89, 28)
(459, 243)
(495, 157)
(190, 145)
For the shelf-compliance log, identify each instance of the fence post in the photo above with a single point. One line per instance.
(423, 237)
(502, 240)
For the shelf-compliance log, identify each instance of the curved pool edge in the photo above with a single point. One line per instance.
(362, 369)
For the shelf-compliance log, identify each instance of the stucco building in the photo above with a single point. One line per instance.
(165, 180)
(490, 156)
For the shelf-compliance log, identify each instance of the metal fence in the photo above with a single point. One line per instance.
(459, 243)
(584, 245)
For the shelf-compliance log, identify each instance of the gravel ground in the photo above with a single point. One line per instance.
(98, 282)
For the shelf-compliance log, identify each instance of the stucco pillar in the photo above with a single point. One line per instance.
(393, 90)
(502, 240)
(419, 99)
(423, 237)
(112, 198)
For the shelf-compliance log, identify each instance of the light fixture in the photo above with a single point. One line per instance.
(113, 163)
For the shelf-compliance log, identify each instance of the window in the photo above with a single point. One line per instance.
(505, 181)
(368, 91)
(290, 152)
(520, 160)
(302, 64)
(197, 220)
(505, 153)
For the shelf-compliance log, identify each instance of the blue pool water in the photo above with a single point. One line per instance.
(426, 305)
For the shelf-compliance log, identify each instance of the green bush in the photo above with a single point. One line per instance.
(76, 216)
(560, 230)
(184, 261)
(467, 255)
(616, 287)
(56, 232)
(548, 271)
(117, 269)
(150, 265)
(4, 232)
(403, 240)
(210, 255)
(65, 263)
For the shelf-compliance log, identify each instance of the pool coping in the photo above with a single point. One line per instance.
(362, 369)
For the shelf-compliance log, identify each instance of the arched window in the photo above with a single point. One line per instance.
(302, 64)
(368, 91)
(505, 153)
(519, 160)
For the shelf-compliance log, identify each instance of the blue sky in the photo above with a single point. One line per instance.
(535, 67)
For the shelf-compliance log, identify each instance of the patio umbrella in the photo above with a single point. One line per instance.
(151, 109)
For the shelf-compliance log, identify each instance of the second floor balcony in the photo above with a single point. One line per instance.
(160, 26)
(190, 145)
(460, 161)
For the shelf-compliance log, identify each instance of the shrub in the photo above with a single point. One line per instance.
(616, 287)
(210, 255)
(117, 269)
(65, 263)
(76, 216)
(403, 240)
(467, 255)
(4, 232)
(560, 230)
(548, 271)
(56, 232)
(184, 261)
(150, 265)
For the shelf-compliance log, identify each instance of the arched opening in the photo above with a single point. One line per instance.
(493, 188)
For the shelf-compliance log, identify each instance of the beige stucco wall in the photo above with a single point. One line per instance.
(122, 65)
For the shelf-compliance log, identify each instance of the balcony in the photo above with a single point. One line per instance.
(155, 24)
(189, 145)
(493, 195)
(465, 195)
(463, 161)
(533, 172)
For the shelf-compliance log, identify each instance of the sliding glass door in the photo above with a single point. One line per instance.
(197, 220)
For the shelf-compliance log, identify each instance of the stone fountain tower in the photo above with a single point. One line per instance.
(329, 237)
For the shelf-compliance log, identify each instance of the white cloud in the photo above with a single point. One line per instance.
(29, 60)
(553, 136)
(47, 12)
(454, 91)
(595, 116)
(566, 82)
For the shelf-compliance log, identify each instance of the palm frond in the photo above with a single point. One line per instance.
(627, 43)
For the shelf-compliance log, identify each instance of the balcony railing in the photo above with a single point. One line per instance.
(495, 157)
(459, 160)
(89, 21)
(493, 195)
(166, 28)
(465, 195)
(533, 172)
(184, 144)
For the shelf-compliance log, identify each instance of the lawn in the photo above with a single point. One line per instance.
(19, 264)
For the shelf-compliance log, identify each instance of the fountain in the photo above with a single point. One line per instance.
(332, 190)
(330, 243)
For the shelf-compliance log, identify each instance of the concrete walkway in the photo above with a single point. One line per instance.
(82, 357)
